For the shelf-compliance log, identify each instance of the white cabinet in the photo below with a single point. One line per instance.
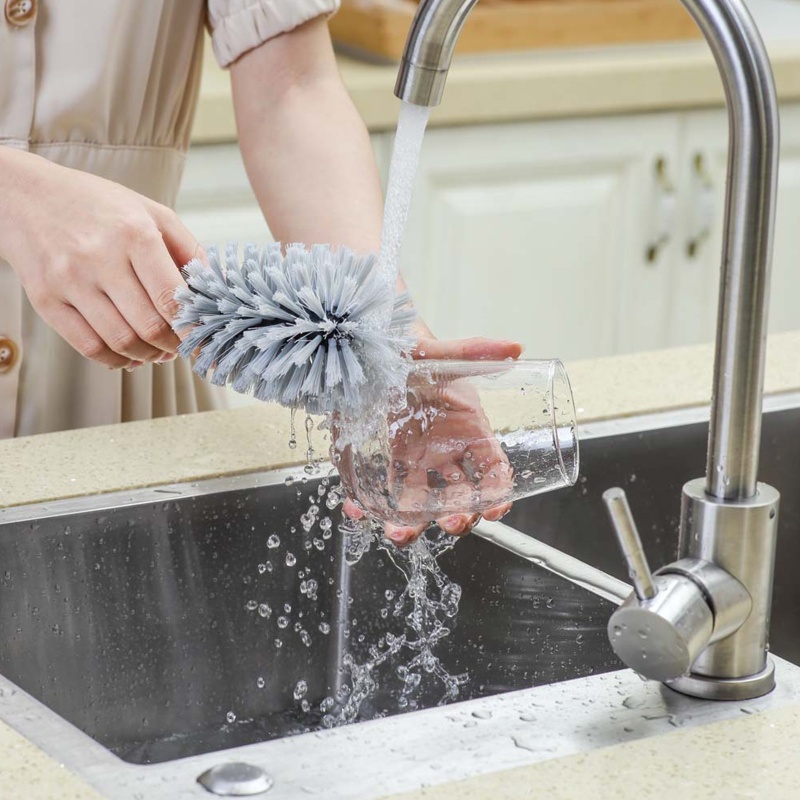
(538, 232)
(588, 237)
(579, 237)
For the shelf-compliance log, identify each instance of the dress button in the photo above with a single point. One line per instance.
(9, 353)
(20, 12)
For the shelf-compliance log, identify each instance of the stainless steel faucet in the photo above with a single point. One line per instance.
(701, 623)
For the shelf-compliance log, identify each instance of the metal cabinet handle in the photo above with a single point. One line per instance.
(664, 212)
(702, 211)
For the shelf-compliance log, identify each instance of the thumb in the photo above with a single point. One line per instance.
(178, 239)
(477, 349)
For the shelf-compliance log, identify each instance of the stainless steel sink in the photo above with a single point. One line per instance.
(125, 617)
(130, 619)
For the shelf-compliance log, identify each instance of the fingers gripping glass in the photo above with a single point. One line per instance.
(472, 435)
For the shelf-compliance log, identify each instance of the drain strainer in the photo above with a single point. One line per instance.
(235, 780)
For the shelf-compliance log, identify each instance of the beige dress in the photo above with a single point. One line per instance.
(109, 87)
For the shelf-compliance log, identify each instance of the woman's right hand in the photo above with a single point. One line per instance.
(99, 262)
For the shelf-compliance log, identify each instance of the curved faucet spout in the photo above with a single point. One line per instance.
(735, 432)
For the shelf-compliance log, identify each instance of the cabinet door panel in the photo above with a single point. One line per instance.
(538, 232)
(785, 300)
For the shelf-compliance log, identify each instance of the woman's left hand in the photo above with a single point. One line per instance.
(477, 349)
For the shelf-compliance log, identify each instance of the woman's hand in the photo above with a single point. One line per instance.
(465, 419)
(99, 262)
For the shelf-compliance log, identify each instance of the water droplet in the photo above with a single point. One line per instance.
(252, 605)
(300, 689)
(634, 702)
(292, 431)
(290, 560)
(327, 704)
(273, 542)
(261, 683)
(231, 717)
(264, 611)
(283, 622)
(324, 627)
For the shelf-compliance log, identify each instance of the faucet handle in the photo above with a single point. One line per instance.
(667, 622)
(631, 545)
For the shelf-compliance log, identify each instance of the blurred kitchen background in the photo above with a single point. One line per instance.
(570, 191)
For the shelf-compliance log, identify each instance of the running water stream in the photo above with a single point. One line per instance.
(403, 170)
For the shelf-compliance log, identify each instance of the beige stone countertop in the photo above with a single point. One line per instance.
(751, 757)
(36, 469)
(546, 83)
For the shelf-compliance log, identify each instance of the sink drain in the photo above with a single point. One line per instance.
(235, 780)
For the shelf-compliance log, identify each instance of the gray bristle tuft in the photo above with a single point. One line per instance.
(302, 329)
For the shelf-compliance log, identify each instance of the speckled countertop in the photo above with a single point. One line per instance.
(756, 755)
(752, 757)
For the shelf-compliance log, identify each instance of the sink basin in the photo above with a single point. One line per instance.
(128, 617)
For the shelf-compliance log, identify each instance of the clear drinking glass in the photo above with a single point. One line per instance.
(472, 435)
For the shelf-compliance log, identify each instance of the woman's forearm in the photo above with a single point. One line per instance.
(305, 147)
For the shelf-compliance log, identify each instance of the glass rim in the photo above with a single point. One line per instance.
(558, 377)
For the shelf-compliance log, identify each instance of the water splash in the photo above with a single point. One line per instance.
(426, 607)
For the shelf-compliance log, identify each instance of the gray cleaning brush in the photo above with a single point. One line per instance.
(304, 330)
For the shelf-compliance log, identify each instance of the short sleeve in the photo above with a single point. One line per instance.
(240, 25)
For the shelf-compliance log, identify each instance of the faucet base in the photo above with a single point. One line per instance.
(708, 688)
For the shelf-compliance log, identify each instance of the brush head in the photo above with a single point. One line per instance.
(306, 329)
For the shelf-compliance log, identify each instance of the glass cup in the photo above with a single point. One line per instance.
(471, 435)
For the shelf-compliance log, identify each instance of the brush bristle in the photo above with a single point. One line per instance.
(304, 329)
